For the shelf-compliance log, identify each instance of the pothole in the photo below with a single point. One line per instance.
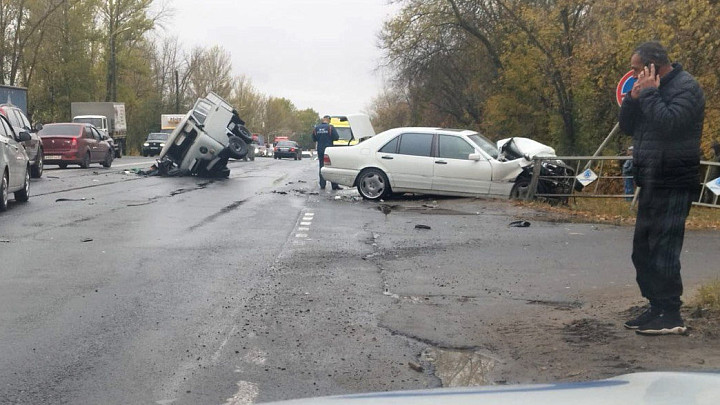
(460, 368)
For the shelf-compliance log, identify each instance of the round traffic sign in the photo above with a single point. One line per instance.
(624, 86)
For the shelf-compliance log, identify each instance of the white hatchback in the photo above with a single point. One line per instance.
(423, 160)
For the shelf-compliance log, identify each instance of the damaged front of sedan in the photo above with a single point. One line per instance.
(206, 138)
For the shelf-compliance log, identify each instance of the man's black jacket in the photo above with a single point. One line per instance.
(666, 125)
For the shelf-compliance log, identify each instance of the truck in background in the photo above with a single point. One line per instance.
(168, 122)
(107, 117)
(16, 96)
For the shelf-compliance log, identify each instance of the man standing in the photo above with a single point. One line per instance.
(664, 114)
(323, 135)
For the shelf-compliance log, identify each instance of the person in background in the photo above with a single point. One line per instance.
(627, 172)
(664, 114)
(323, 135)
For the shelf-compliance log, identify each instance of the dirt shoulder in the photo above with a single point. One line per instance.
(544, 303)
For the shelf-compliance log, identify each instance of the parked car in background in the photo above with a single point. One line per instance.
(14, 164)
(19, 121)
(154, 143)
(75, 143)
(287, 149)
(423, 160)
(261, 147)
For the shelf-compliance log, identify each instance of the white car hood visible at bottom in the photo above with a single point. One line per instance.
(529, 147)
(667, 388)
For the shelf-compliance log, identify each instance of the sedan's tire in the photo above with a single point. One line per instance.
(296, 157)
(108, 159)
(37, 169)
(520, 189)
(23, 194)
(86, 161)
(3, 192)
(373, 184)
(237, 148)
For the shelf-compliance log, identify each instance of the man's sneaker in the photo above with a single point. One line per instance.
(647, 316)
(667, 323)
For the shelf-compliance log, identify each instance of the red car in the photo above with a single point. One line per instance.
(75, 143)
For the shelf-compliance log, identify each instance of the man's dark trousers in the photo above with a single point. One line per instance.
(657, 244)
(321, 161)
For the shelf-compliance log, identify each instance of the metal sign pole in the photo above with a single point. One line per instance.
(612, 133)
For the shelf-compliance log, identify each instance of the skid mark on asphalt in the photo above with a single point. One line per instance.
(225, 210)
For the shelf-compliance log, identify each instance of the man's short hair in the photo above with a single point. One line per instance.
(652, 52)
(326, 117)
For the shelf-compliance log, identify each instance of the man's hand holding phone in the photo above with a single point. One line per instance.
(646, 79)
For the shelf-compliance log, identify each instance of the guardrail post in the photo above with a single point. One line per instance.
(532, 189)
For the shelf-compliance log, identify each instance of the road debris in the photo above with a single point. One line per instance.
(421, 226)
(519, 224)
(70, 199)
(416, 367)
(86, 240)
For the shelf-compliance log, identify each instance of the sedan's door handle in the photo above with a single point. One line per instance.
(387, 157)
(440, 162)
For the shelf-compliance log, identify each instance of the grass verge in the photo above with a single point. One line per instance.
(616, 212)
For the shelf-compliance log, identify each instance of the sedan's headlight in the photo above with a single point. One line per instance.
(257, 150)
(162, 145)
(146, 144)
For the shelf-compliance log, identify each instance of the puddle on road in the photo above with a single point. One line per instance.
(460, 368)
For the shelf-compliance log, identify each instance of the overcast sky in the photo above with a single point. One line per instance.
(319, 54)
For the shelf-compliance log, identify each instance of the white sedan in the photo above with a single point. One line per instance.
(424, 160)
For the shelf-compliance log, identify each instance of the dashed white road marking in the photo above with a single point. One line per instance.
(305, 224)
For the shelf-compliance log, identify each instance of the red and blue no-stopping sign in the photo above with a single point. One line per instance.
(624, 86)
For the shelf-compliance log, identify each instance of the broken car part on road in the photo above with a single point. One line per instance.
(206, 138)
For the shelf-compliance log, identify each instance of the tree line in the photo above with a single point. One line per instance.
(114, 50)
(544, 69)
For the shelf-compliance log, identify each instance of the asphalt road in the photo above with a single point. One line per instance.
(117, 288)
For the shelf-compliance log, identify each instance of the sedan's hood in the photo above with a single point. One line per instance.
(529, 147)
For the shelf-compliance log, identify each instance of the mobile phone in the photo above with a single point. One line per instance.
(647, 65)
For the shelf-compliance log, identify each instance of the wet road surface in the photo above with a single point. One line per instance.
(117, 288)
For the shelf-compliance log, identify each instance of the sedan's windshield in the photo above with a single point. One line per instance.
(485, 145)
(286, 144)
(52, 130)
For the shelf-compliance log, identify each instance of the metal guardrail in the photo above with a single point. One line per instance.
(600, 167)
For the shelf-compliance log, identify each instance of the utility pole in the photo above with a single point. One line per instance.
(177, 93)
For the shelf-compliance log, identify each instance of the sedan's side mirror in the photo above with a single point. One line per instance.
(38, 127)
(475, 156)
(24, 136)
